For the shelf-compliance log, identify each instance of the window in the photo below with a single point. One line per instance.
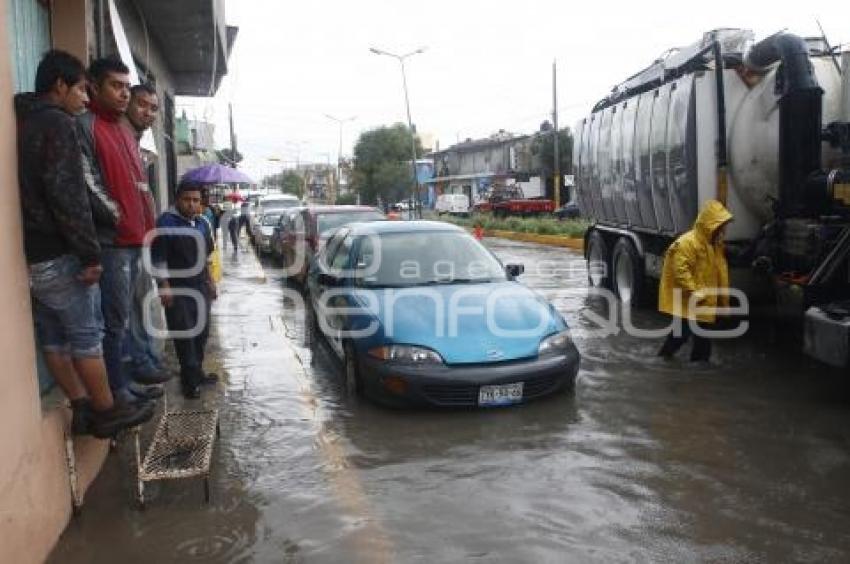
(29, 33)
(333, 245)
(340, 259)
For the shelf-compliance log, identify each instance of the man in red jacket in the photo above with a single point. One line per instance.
(116, 164)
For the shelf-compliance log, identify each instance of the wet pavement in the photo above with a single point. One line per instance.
(747, 459)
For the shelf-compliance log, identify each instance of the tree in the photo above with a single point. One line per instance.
(543, 147)
(228, 157)
(292, 183)
(346, 199)
(382, 164)
(289, 182)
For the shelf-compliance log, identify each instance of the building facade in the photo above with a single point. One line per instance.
(180, 47)
(473, 167)
(194, 144)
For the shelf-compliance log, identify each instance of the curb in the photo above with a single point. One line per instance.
(550, 240)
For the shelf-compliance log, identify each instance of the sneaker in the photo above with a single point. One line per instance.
(106, 424)
(150, 376)
(145, 392)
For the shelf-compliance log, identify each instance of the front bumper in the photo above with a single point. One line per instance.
(459, 385)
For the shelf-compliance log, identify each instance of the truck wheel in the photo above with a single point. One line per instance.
(627, 274)
(598, 263)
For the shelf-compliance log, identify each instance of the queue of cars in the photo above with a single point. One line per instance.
(419, 312)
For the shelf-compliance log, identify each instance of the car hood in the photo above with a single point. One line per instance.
(453, 320)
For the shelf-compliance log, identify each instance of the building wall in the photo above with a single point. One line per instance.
(491, 159)
(35, 496)
(146, 52)
(71, 20)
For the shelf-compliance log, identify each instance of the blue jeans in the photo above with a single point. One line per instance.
(140, 351)
(66, 312)
(115, 289)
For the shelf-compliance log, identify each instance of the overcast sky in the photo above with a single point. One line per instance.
(488, 64)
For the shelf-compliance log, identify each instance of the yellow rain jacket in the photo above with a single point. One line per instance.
(693, 265)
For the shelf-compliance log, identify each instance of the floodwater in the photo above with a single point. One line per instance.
(747, 459)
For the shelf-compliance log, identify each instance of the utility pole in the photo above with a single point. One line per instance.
(415, 204)
(555, 123)
(232, 137)
(341, 122)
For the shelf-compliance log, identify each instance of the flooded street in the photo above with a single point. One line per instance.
(744, 460)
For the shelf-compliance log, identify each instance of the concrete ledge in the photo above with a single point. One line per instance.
(42, 499)
(551, 240)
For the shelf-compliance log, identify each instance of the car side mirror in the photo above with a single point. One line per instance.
(514, 270)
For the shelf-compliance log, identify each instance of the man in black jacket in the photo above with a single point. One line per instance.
(61, 246)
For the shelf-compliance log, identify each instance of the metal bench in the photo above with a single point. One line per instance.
(181, 448)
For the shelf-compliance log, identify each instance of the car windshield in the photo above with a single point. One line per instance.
(424, 258)
(271, 219)
(329, 221)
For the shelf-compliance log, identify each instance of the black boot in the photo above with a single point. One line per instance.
(209, 379)
(80, 420)
(190, 380)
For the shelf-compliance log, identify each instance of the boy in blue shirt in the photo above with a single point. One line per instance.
(179, 253)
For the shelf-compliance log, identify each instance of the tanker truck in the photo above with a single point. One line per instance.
(762, 127)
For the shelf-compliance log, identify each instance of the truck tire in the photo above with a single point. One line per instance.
(598, 261)
(627, 275)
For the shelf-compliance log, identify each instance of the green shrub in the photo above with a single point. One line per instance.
(537, 225)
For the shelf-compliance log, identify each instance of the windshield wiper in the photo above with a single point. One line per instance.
(456, 281)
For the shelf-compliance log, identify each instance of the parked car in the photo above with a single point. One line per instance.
(452, 204)
(400, 289)
(285, 226)
(265, 229)
(400, 210)
(312, 227)
(267, 204)
(567, 211)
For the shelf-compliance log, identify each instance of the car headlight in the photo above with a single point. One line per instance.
(406, 354)
(558, 343)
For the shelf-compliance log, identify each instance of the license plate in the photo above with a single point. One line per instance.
(504, 394)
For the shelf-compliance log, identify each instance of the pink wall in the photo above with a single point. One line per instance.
(35, 498)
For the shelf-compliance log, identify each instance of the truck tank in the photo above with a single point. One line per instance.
(647, 156)
(764, 127)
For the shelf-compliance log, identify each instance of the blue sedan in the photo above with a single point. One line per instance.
(420, 313)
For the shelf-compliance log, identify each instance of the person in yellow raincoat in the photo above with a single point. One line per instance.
(693, 281)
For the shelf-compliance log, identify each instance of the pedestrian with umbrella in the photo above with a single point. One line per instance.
(219, 174)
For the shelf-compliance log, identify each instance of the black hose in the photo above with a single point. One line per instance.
(800, 109)
(793, 52)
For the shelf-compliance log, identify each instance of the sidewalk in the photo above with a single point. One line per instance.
(247, 349)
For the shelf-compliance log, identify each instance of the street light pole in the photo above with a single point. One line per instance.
(341, 122)
(414, 200)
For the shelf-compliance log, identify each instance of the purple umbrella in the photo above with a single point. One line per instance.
(216, 174)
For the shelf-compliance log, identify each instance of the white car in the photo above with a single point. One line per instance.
(265, 229)
(268, 204)
(452, 204)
